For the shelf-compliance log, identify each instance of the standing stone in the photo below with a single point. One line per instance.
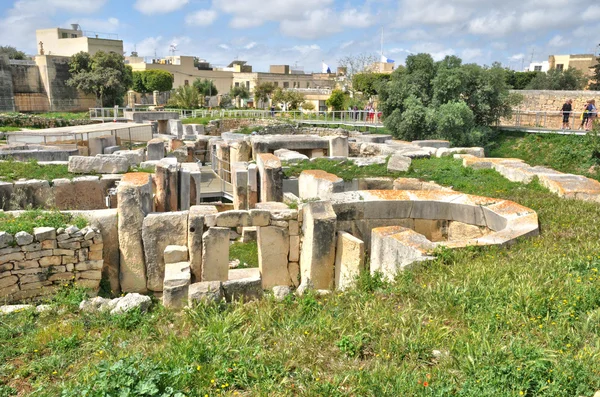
(134, 198)
(176, 285)
(349, 260)
(239, 180)
(399, 163)
(273, 249)
(97, 145)
(195, 232)
(318, 247)
(166, 186)
(338, 146)
(215, 254)
(185, 180)
(176, 128)
(319, 184)
(271, 177)
(160, 230)
(252, 186)
(155, 150)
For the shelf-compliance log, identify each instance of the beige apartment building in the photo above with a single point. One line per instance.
(581, 62)
(68, 42)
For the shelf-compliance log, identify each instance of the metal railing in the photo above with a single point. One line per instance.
(551, 120)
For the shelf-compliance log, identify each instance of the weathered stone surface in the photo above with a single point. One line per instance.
(17, 256)
(233, 219)
(338, 146)
(98, 144)
(215, 254)
(5, 239)
(273, 249)
(135, 202)
(23, 238)
(155, 150)
(44, 233)
(319, 184)
(239, 181)
(195, 231)
(166, 181)
(294, 255)
(399, 163)
(8, 281)
(249, 234)
(176, 284)
(8, 309)
(259, 217)
(135, 157)
(130, 302)
(160, 230)
(458, 231)
(176, 253)
(271, 177)
(280, 292)
(208, 291)
(474, 151)
(246, 289)
(349, 260)
(290, 156)
(32, 193)
(101, 164)
(318, 247)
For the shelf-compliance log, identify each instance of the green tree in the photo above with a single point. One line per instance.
(12, 53)
(288, 99)
(138, 82)
(369, 83)
(519, 80)
(185, 97)
(240, 91)
(453, 121)
(559, 80)
(205, 88)
(336, 100)
(152, 80)
(595, 84)
(104, 75)
(263, 91)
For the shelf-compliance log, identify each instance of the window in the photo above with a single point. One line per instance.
(560, 66)
(73, 36)
(186, 82)
(64, 35)
(286, 84)
(237, 84)
(537, 68)
(248, 85)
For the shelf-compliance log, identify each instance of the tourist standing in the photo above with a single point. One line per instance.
(567, 108)
(584, 115)
(592, 112)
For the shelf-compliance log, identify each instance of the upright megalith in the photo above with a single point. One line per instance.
(273, 250)
(160, 230)
(317, 256)
(338, 146)
(215, 254)
(155, 150)
(270, 175)
(239, 180)
(196, 222)
(319, 184)
(134, 202)
(167, 185)
(349, 260)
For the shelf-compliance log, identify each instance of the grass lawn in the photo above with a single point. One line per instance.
(566, 153)
(13, 170)
(246, 252)
(28, 220)
(521, 320)
(10, 129)
(345, 169)
(65, 115)
(197, 120)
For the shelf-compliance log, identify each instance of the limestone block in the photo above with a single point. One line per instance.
(433, 229)
(318, 247)
(98, 144)
(338, 146)
(195, 232)
(473, 151)
(135, 157)
(252, 185)
(207, 291)
(290, 156)
(32, 193)
(176, 128)
(395, 248)
(239, 180)
(271, 177)
(434, 143)
(44, 233)
(130, 302)
(399, 163)
(294, 249)
(134, 196)
(215, 254)
(100, 164)
(280, 292)
(249, 234)
(176, 284)
(233, 219)
(259, 217)
(166, 181)
(273, 251)
(375, 183)
(111, 149)
(160, 230)
(319, 184)
(243, 289)
(155, 150)
(349, 260)
(6, 282)
(185, 180)
(23, 238)
(176, 253)
(294, 227)
(458, 231)
(6, 239)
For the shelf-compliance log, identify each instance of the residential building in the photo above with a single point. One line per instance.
(538, 67)
(68, 42)
(581, 62)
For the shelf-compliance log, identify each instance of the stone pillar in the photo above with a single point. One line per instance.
(349, 260)
(131, 99)
(163, 126)
(273, 249)
(155, 150)
(134, 197)
(252, 186)
(166, 186)
(176, 128)
(185, 180)
(271, 177)
(195, 231)
(240, 151)
(215, 254)
(239, 180)
(195, 187)
(176, 285)
(317, 257)
(96, 145)
(338, 146)
(319, 184)
(155, 97)
(224, 161)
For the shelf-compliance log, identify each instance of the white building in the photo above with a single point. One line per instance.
(538, 67)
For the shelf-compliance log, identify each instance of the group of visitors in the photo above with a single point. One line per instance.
(587, 117)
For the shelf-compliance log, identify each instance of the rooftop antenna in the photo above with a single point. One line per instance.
(173, 49)
(381, 43)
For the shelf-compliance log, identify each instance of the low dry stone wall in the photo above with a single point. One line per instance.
(36, 265)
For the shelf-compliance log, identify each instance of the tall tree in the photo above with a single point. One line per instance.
(336, 100)
(240, 91)
(369, 83)
(185, 97)
(595, 84)
(12, 52)
(288, 99)
(559, 80)
(152, 80)
(205, 88)
(263, 91)
(104, 75)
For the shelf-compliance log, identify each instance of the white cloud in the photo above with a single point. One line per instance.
(592, 13)
(318, 24)
(150, 7)
(559, 41)
(346, 44)
(493, 24)
(304, 49)
(356, 19)
(436, 12)
(471, 54)
(201, 18)
(224, 46)
(516, 57)
(110, 25)
(250, 46)
(244, 23)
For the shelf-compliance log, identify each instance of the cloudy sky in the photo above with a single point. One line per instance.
(305, 32)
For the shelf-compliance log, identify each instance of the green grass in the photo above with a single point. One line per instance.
(508, 321)
(9, 129)
(28, 220)
(247, 253)
(565, 153)
(13, 170)
(345, 169)
(197, 120)
(65, 115)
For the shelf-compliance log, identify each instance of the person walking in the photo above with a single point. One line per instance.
(592, 114)
(584, 116)
(567, 108)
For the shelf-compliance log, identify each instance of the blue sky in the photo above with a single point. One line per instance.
(305, 32)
